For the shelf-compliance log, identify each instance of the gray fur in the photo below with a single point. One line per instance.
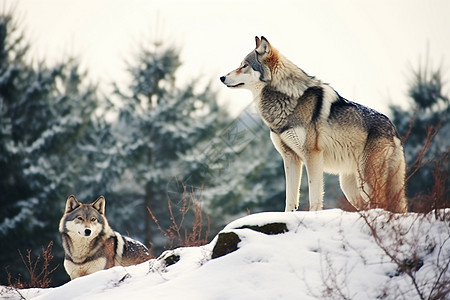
(346, 113)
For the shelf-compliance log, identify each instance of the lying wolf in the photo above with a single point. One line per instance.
(90, 244)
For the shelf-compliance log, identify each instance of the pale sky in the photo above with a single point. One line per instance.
(364, 49)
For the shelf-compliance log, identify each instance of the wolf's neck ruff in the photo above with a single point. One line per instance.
(86, 249)
(280, 112)
(275, 108)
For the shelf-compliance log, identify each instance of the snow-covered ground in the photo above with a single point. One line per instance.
(329, 254)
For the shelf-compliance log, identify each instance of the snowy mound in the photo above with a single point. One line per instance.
(302, 255)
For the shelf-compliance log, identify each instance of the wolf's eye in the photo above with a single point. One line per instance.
(244, 66)
(80, 218)
(93, 219)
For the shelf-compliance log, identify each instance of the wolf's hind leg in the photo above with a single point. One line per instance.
(349, 185)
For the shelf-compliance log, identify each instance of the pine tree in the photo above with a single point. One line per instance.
(160, 125)
(429, 108)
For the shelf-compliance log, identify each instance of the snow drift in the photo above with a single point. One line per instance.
(328, 254)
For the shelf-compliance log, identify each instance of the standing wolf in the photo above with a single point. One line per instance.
(89, 243)
(311, 123)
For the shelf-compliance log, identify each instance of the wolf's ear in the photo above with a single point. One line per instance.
(263, 47)
(71, 203)
(258, 42)
(99, 205)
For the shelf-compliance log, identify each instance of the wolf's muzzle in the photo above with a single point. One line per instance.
(222, 78)
(87, 232)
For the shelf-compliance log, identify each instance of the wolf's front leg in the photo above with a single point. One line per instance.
(314, 168)
(293, 173)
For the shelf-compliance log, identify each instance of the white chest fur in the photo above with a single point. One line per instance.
(295, 139)
(77, 270)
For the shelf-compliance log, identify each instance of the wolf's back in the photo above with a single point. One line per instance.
(132, 252)
(376, 124)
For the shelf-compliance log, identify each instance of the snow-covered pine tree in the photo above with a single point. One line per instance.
(49, 138)
(429, 106)
(160, 128)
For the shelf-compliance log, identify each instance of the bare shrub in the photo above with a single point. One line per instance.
(335, 286)
(39, 270)
(407, 245)
(415, 247)
(437, 197)
(179, 234)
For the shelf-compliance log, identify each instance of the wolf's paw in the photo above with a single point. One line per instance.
(290, 208)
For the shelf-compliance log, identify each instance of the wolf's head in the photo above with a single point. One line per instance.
(256, 69)
(86, 220)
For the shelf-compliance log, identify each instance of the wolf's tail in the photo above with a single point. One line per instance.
(395, 184)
